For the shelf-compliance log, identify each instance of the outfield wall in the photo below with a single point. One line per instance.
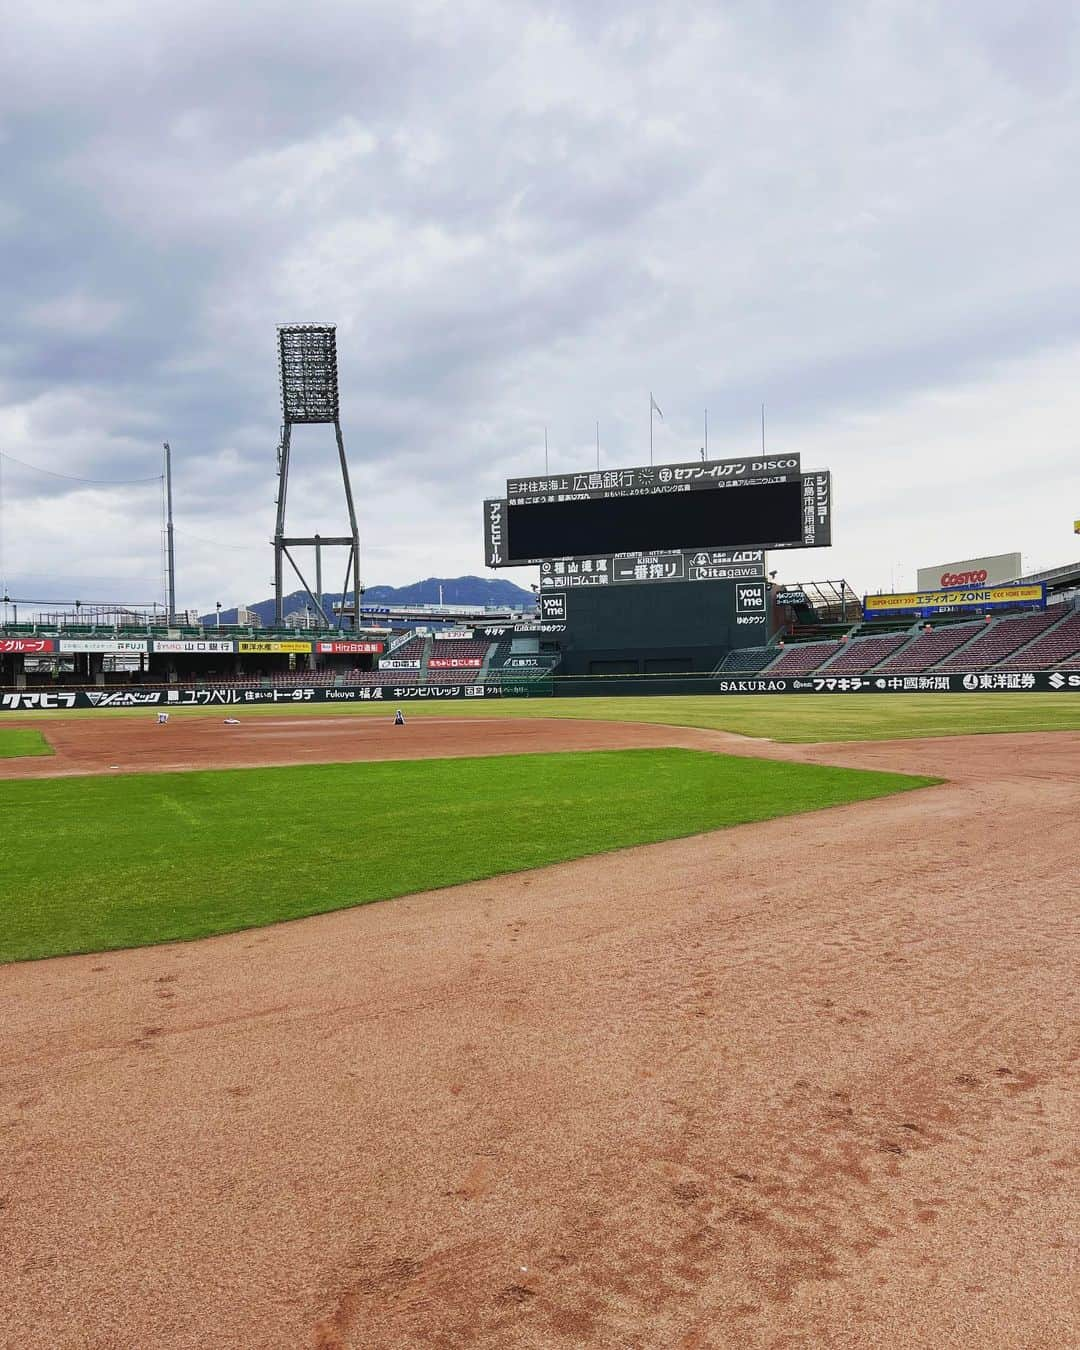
(205, 696)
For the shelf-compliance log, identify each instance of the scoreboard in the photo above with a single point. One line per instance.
(743, 504)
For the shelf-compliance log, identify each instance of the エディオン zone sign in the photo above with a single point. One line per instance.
(978, 597)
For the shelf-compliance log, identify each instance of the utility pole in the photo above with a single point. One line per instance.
(318, 581)
(171, 558)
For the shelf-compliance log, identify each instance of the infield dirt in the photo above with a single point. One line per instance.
(804, 1083)
(125, 745)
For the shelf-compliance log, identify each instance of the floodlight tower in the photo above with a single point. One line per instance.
(309, 393)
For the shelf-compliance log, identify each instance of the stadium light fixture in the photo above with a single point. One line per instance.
(307, 354)
(307, 360)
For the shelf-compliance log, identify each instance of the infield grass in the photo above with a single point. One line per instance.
(15, 742)
(793, 718)
(97, 863)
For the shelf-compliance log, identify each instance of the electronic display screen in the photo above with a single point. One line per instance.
(755, 515)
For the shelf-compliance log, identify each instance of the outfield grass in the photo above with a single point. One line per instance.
(16, 742)
(97, 863)
(794, 718)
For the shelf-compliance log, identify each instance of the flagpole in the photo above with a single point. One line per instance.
(706, 433)
(651, 406)
(598, 445)
(763, 428)
(545, 451)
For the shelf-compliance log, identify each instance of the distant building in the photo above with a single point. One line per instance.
(302, 618)
(247, 617)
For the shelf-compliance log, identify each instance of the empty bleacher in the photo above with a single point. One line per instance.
(930, 648)
(864, 654)
(1059, 645)
(802, 658)
(746, 660)
(1000, 640)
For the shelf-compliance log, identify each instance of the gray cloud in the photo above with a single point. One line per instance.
(518, 216)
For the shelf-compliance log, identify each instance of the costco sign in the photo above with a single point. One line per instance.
(992, 571)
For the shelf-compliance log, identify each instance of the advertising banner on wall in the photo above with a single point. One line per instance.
(937, 602)
(996, 682)
(495, 532)
(63, 700)
(126, 646)
(392, 663)
(346, 648)
(993, 571)
(28, 646)
(271, 648)
(615, 569)
(647, 478)
(195, 646)
(454, 635)
(455, 662)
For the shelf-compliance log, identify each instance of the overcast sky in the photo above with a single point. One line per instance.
(863, 213)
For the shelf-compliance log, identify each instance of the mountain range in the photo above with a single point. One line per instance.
(452, 590)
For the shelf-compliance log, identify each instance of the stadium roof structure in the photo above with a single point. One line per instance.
(1065, 578)
(831, 601)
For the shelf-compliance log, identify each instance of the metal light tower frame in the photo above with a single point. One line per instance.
(307, 355)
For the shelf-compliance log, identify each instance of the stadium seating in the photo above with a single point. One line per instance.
(412, 650)
(1000, 640)
(803, 658)
(864, 654)
(460, 676)
(459, 648)
(930, 648)
(1060, 644)
(746, 660)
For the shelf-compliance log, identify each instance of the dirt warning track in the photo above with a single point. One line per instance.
(798, 1084)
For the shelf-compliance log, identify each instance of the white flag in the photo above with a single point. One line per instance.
(655, 406)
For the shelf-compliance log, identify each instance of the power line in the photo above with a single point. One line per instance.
(72, 478)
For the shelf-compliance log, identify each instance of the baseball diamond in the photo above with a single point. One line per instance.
(674, 947)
